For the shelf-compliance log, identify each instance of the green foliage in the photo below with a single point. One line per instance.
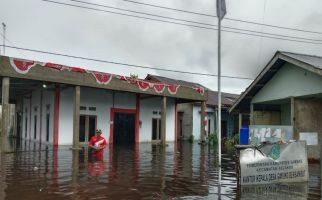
(191, 138)
(212, 139)
(230, 143)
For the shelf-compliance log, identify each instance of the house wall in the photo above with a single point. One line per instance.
(308, 118)
(286, 114)
(147, 107)
(104, 101)
(289, 81)
(35, 98)
(267, 118)
(196, 121)
(187, 119)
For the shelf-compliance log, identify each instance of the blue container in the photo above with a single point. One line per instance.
(244, 135)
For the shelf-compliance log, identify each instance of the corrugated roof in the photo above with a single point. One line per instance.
(315, 61)
(308, 62)
(172, 81)
(227, 99)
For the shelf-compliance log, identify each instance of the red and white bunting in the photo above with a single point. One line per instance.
(172, 89)
(77, 69)
(143, 85)
(200, 90)
(54, 66)
(122, 78)
(158, 87)
(22, 66)
(102, 78)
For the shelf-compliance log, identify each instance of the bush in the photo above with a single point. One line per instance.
(230, 143)
(212, 139)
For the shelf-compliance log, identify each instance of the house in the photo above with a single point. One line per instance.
(287, 92)
(189, 112)
(63, 105)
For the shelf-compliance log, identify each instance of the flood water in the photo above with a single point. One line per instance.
(144, 171)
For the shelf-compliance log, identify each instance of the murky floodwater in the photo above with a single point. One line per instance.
(145, 171)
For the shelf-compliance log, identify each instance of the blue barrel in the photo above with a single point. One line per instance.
(244, 135)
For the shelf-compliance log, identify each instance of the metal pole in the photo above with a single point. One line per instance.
(4, 38)
(219, 97)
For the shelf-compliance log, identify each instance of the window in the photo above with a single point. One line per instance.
(92, 108)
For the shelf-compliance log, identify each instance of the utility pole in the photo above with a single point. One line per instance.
(4, 37)
(221, 11)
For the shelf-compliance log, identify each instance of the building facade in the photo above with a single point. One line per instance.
(63, 105)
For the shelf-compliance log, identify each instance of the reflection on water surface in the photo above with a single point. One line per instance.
(144, 171)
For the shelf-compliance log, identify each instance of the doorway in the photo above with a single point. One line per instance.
(123, 128)
(87, 127)
(156, 129)
(223, 129)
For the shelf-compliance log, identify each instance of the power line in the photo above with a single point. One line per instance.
(6, 38)
(124, 64)
(195, 22)
(226, 18)
(177, 23)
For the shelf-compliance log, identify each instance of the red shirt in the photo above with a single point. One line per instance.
(98, 142)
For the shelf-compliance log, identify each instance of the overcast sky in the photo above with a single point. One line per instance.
(40, 25)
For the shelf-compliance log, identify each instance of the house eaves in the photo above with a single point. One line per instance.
(307, 62)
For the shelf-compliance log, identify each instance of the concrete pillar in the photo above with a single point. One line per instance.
(76, 117)
(202, 122)
(251, 120)
(5, 106)
(240, 119)
(5, 113)
(163, 119)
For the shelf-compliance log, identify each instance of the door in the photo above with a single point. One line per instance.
(156, 129)
(124, 128)
(223, 129)
(87, 127)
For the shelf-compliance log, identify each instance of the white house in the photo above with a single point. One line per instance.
(64, 105)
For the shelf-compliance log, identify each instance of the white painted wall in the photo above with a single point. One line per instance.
(103, 101)
(196, 121)
(66, 116)
(147, 106)
(48, 99)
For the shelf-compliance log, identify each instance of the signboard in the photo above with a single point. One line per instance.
(274, 163)
(269, 133)
(310, 138)
(298, 191)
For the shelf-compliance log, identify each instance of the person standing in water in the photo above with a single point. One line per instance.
(98, 143)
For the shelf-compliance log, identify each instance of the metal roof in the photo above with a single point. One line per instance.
(308, 62)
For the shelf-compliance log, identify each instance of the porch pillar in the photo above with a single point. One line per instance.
(5, 113)
(240, 119)
(292, 114)
(76, 117)
(163, 119)
(202, 121)
(251, 120)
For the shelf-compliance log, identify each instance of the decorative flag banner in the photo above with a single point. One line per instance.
(101, 78)
(143, 85)
(22, 66)
(172, 89)
(158, 87)
(54, 66)
(77, 69)
(200, 90)
(122, 78)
